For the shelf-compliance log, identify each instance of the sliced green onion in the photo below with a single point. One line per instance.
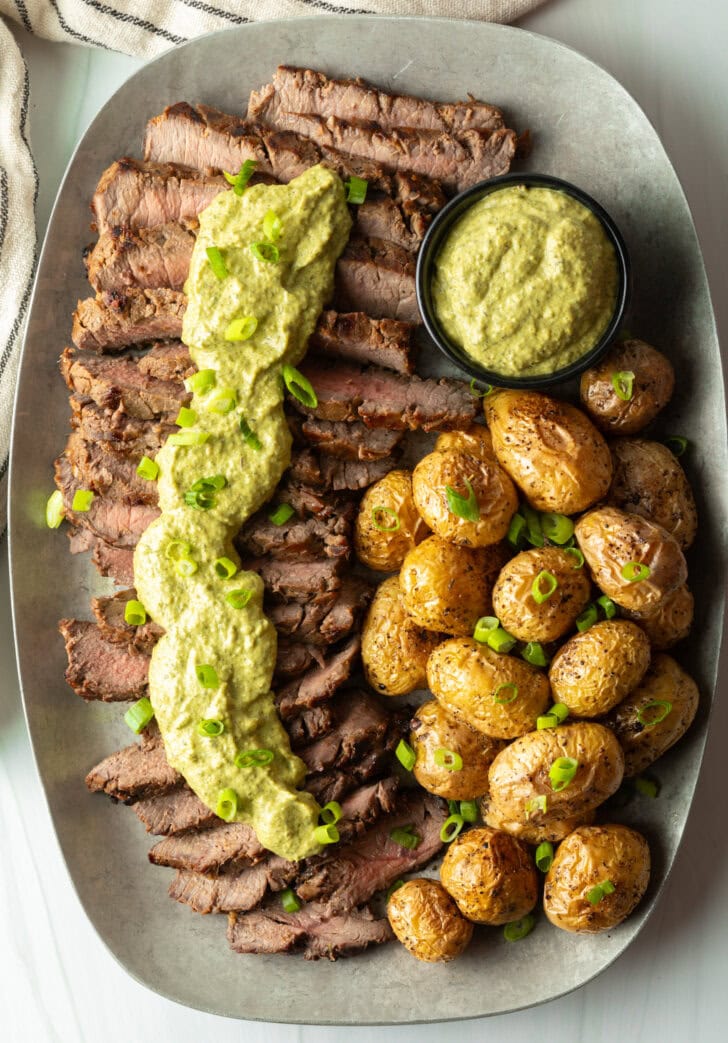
(213, 482)
(536, 804)
(177, 549)
(480, 388)
(272, 226)
(518, 929)
(188, 438)
(82, 500)
(677, 444)
(534, 534)
(207, 675)
(577, 555)
(465, 507)
(405, 755)
(562, 772)
(239, 598)
(148, 469)
(249, 436)
(139, 715)
(326, 834)
(201, 381)
(210, 727)
(663, 708)
(267, 252)
(55, 510)
(225, 568)
(544, 856)
(254, 758)
(395, 887)
(243, 176)
(186, 417)
(469, 810)
(557, 527)
(300, 387)
(516, 535)
(623, 384)
(200, 499)
(453, 807)
(505, 700)
(227, 804)
(484, 626)
(217, 262)
(404, 836)
(451, 828)
(587, 618)
(595, 894)
(289, 901)
(134, 613)
(331, 812)
(281, 514)
(448, 759)
(241, 329)
(546, 721)
(534, 654)
(186, 566)
(222, 402)
(356, 190)
(646, 786)
(635, 571)
(390, 513)
(543, 586)
(500, 640)
(560, 711)
(607, 606)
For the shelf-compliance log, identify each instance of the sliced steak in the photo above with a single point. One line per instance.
(319, 683)
(360, 723)
(209, 849)
(377, 277)
(109, 613)
(115, 562)
(309, 725)
(383, 218)
(133, 773)
(347, 441)
(382, 399)
(102, 669)
(167, 360)
(233, 888)
(146, 258)
(108, 474)
(294, 658)
(271, 930)
(336, 474)
(114, 320)
(121, 384)
(359, 338)
(325, 618)
(115, 431)
(297, 580)
(174, 811)
(117, 523)
(337, 783)
(297, 538)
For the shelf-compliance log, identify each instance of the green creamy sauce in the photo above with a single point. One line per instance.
(202, 628)
(526, 281)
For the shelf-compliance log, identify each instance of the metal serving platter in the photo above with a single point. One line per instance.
(587, 129)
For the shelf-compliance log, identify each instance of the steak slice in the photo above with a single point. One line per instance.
(336, 474)
(382, 399)
(347, 441)
(298, 580)
(108, 474)
(121, 384)
(117, 523)
(99, 668)
(325, 618)
(309, 725)
(338, 782)
(359, 338)
(319, 684)
(209, 849)
(360, 723)
(115, 562)
(297, 538)
(109, 613)
(202, 137)
(146, 258)
(377, 277)
(114, 320)
(173, 811)
(383, 218)
(133, 773)
(304, 90)
(271, 930)
(294, 658)
(116, 432)
(167, 360)
(232, 888)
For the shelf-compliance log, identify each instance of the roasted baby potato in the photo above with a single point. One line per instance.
(475, 440)
(427, 921)
(448, 588)
(388, 525)
(394, 650)
(649, 480)
(433, 729)
(618, 545)
(528, 831)
(671, 620)
(595, 670)
(484, 486)
(550, 449)
(597, 878)
(656, 714)
(522, 780)
(491, 876)
(652, 387)
(500, 695)
(521, 600)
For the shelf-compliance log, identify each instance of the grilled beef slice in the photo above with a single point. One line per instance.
(324, 618)
(115, 320)
(377, 277)
(320, 682)
(346, 441)
(115, 562)
(134, 772)
(145, 258)
(173, 811)
(117, 432)
(209, 849)
(233, 888)
(297, 538)
(298, 580)
(358, 337)
(109, 614)
(114, 521)
(108, 474)
(331, 472)
(99, 668)
(167, 360)
(383, 218)
(309, 725)
(121, 384)
(360, 723)
(271, 930)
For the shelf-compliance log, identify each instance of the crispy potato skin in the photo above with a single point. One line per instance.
(649, 480)
(427, 921)
(394, 649)
(490, 875)
(664, 681)
(516, 607)
(520, 772)
(610, 538)
(475, 440)
(447, 588)
(671, 621)
(589, 856)
(433, 728)
(493, 489)
(530, 832)
(464, 676)
(550, 449)
(385, 551)
(654, 380)
(595, 670)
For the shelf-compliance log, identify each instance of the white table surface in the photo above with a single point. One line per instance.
(57, 982)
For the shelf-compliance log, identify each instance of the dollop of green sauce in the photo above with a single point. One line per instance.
(526, 281)
(202, 628)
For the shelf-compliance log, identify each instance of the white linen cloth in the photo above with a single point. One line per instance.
(144, 28)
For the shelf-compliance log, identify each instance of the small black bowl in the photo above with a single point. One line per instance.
(434, 239)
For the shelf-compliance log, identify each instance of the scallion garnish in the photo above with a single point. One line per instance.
(222, 402)
(395, 887)
(177, 549)
(241, 329)
(207, 675)
(518, 929)
(134, 613)
(188, 438)
(451, 828)
(577, 555)
(139, 715)
(201, 494)
(560, 711)
(186, 417)
(534, 654)
(82, 500)
(607, 606)
(356, 190)
(55, 510)
(677, 444)
(663, 708)
(210, 727)
(544, 856)
(224, 568)
(635, 571)
(465, 507)
(281, 514)
(557, 527)
(647, 787)
(484, 626)
(267, 252)
(239, 598)
(243, 176)
(448, 759)
(536, 804)
(300, 387)
(516, 535)
(555, 716)
(289, 901)
(331, 813)
(272, 226)
(480, 388)
(534, 533)
(186, 566)
(254, 758)
(201, 381)
(393, 526)
(562, 772)
(227, 804)
(217, 262)
(249, 436)
(405, 837)
(488, 631)
(405, 755)
(543, 586)
(469, 810)
(623, 384)
(595, 894)
(148, 469)
(326, 834)
(510, 695)
(587, 618)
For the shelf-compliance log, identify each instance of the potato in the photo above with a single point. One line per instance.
(649, 480)
(670, 622)
(434, 729)
(500, 695)
(611, 540)
(448, 588)
(550, 449)
(491, 876)
(654, 380)
(513, 594)
(595, 670)
(589, 857)
(427, 921)
(394, 650)
(520, 784)
(529, 831)
(666, 692)
(382, 540)
(475, 440)
(494, 492)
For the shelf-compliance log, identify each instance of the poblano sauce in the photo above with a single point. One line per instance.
(526, 281)
(309, 227)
